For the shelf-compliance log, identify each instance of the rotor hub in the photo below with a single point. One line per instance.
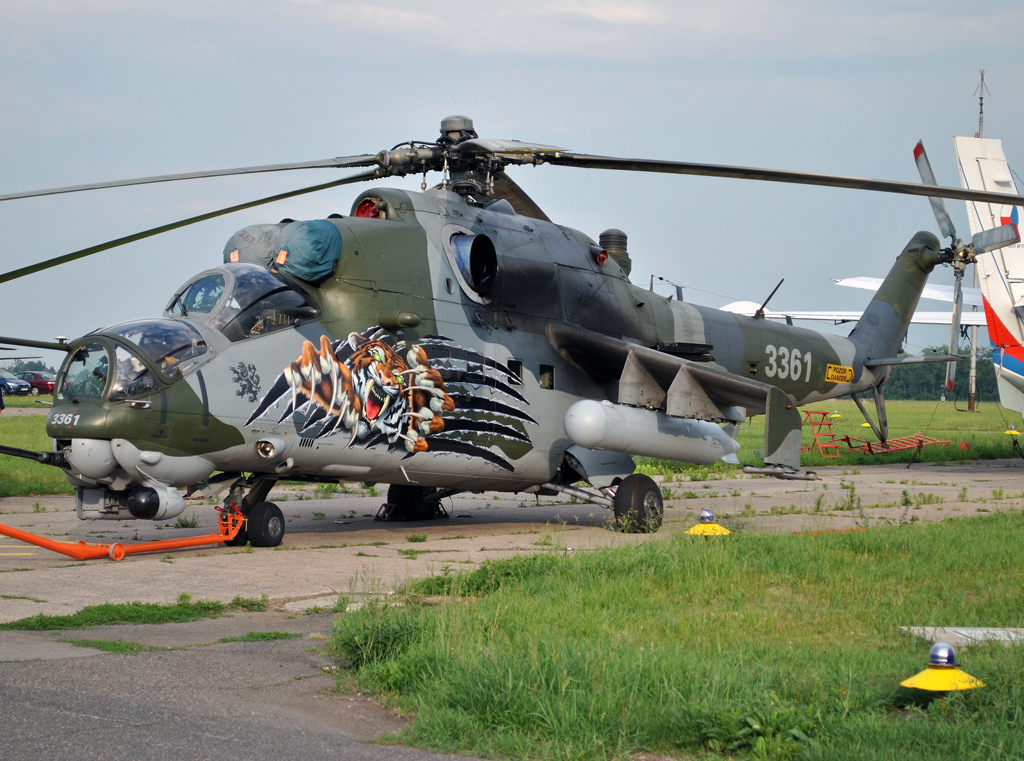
(457, 128)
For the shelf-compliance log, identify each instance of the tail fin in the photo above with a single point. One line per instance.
(1000, 273)
(883, 326)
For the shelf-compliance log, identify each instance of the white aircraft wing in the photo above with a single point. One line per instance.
(972, 296)
(748, 308)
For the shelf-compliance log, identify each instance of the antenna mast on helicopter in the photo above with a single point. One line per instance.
(972, 387)
(981, 90)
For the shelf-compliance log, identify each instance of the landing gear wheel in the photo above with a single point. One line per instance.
(266, 525)
(411, 501)
(638, 505)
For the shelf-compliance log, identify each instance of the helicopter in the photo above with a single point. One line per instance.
(443, 341)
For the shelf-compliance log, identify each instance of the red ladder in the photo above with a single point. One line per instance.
(824, 438)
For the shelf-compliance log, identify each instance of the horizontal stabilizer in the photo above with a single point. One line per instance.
(916, 360)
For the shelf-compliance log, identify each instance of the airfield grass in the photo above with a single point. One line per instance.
(982, 432)
(763, 646)
(112, 614)
(20, 477)
(12, 400)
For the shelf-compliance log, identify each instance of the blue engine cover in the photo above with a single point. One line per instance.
(308, 250)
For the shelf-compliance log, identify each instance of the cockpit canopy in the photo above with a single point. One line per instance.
(243, 301)
(168, 345)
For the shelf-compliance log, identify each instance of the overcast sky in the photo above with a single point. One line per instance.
(103, 90)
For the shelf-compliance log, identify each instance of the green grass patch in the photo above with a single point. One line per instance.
(772, 646)
(16, 400)
(20, 477)
(113, 646)
(136, 613)
(253, 604)
(261, 637)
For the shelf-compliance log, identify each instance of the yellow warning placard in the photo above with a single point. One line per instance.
(838, 374)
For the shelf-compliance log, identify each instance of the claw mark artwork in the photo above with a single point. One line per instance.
(430, 397)
(248, 381)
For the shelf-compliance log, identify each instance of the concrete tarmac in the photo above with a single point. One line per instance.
(196, 697)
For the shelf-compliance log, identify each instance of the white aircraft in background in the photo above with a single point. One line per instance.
(972, 297)
(1000, 273)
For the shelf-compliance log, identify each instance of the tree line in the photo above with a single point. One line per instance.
(925, 381)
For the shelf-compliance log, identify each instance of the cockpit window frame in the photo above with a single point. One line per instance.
(171, 371)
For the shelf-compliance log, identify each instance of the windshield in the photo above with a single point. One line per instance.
(6, 375)
(86, 374)
(131, 377)
(200, 297)
(168, 343)
(260, 302)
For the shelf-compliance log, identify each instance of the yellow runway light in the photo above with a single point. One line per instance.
(942, 674)
(706, 525)
(708, 529)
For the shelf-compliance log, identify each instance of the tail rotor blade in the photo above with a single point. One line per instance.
(938, 205)
(954, 335)
(995, 237)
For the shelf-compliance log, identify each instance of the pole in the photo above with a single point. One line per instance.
(972, 400)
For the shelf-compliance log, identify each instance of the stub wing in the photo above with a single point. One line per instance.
(680, 388)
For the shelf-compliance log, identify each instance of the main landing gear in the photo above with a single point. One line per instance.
(639, 508)
(415, 503)
(636, 501)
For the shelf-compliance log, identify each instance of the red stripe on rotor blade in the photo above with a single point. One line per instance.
(918, 150)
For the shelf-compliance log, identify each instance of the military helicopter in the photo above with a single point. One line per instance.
(450, 340)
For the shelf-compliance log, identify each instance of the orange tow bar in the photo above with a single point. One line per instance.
(229, 522)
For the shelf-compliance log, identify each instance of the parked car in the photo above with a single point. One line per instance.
(41, 383)
(11, 385)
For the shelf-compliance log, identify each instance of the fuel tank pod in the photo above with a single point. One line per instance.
(603, 425)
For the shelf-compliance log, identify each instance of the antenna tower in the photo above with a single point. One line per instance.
(981, 91)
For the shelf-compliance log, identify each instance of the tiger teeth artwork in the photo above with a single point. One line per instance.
(431, 397)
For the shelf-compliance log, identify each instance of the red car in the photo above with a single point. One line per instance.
(41, 383)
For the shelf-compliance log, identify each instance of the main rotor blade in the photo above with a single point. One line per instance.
(15, 274)
(343, 162)
(775, 175)
(924, 167)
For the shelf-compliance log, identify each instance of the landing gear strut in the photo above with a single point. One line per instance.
(415, 503)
